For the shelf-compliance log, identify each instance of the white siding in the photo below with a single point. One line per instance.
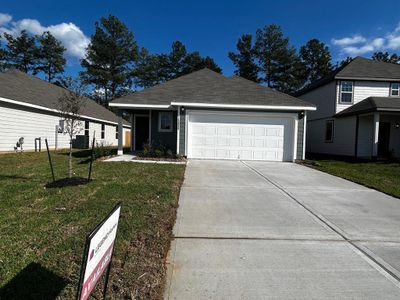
(324, 98)
(17, 121)
(343, 137)
(363, 90)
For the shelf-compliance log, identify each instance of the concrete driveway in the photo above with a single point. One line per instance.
(258, 230)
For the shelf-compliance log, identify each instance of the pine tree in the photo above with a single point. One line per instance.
(51, 56)
(194, 62)
(278, 61)
(149, 69)
(21, 52)
(2, 58)
(244, 61)
(110, 58)
(386, 57)
(316, 59)
(152, 69)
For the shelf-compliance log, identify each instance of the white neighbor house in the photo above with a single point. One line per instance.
(28, 109)
(358, 111)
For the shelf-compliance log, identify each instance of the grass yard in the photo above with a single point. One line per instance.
(382, 176)
(42, 230)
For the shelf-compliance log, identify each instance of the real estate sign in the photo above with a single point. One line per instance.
(98, 253)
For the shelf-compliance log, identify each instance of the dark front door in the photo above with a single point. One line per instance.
(141, 132)
(383, 140)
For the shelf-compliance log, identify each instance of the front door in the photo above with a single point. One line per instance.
(141, 132)
(383, 140)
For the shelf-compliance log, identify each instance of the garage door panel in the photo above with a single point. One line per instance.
(229, 136)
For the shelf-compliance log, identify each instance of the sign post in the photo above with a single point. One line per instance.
(98, 253)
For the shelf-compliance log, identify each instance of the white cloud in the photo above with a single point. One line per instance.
(71, 36)
(347, 41)
(359, 45)
(5, 18)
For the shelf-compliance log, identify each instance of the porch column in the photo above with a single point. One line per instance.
(120, 133)
(375, 137)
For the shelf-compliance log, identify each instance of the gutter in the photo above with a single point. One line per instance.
(39, 107)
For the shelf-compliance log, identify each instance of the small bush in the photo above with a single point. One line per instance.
(157, 150)
(102, 149)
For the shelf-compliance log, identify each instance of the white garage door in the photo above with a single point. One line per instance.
(255, 136)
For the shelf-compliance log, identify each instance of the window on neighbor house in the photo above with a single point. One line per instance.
(165, 121)
(103, 131)
(395, 89)
(116, 132)
(329, 131)
(346, 92)
(87, 128)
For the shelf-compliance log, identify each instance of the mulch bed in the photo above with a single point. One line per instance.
(64, 182)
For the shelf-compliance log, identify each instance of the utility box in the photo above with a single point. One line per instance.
(80, 142)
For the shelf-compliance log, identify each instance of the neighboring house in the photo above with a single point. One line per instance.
(28, 109)
(358, 111)
(207, 115)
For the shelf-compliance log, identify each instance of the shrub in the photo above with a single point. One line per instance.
(102, 149)
(157, 150)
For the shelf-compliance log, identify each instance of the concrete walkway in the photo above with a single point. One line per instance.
(259, 230)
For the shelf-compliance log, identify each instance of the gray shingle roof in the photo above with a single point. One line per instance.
(371, 104)
(209, 87)
(18, 86)
(359, 68)
(362, 67)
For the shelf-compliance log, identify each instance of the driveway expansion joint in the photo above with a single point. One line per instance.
(367, 254)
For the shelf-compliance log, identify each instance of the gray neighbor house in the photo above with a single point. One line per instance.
(206, 115)
(358, 111)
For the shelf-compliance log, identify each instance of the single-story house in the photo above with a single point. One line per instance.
(29, 110)
(209, 116)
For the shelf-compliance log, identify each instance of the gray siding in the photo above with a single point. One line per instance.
(163, 138)
(182, 133)
(160, 138)
(300, 138)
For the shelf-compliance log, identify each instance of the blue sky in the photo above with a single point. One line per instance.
(213, 27)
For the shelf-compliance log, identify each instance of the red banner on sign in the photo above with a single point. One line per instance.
(91, 281)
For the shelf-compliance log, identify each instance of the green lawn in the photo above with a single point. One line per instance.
(42, 231)
(382, 176)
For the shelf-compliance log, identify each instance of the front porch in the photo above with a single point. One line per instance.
(150, 127)
(378, 135)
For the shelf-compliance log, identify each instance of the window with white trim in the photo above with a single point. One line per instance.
(103, 131)
(346, 92)
(329, 125)
(165, 121)
(395, 89)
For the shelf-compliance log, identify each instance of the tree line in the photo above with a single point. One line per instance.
(269, 58)
(114, 63)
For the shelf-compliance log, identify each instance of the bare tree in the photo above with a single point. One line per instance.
(70, 108)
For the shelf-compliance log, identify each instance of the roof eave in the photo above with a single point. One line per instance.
(365, 78)
(139, 106)
(43, 108)
(243, 106)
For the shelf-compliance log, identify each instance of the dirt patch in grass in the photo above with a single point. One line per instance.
(64, 182)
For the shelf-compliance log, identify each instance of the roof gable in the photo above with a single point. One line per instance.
(359, 68)
(208, 87)
(366, 68)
